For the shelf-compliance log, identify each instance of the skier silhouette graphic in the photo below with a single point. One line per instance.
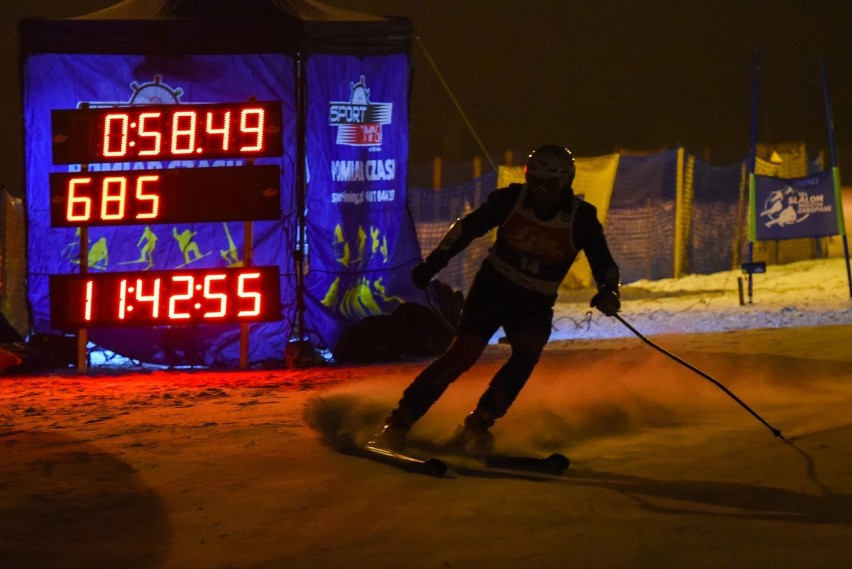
(188, 247)
(230, 255)
(148, 241)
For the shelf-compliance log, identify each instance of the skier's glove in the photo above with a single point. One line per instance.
(421, 274)
(606, 300)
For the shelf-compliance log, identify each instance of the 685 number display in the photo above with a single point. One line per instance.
(179, 195)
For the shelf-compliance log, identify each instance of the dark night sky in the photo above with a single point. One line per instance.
(595, 76)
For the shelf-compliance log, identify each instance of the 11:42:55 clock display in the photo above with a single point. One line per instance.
(243, 294)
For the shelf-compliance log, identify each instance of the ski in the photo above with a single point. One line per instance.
(423, 458)
(430, 466)
(555, 463)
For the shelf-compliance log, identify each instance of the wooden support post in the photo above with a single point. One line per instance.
(83, 333)
(683, 206)
(436, 173)
(244, 327)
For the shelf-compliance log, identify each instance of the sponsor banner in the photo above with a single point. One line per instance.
(361, 238)
(68, 81)
(794, 208)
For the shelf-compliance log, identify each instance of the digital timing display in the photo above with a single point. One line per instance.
(154, 298)
(178, 195)
(166, 132)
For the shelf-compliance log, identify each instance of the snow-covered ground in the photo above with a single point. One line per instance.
(238, 470)
(806, 293)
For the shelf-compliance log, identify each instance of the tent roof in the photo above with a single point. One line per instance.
(307, 10)
(218, 26)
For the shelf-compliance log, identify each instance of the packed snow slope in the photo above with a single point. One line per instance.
(239, 469)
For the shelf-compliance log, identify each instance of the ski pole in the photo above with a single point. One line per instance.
(639, 335)
(440, 314)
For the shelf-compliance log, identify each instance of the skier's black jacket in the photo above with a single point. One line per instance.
(533, 253)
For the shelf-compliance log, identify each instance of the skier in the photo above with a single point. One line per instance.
(542, 227)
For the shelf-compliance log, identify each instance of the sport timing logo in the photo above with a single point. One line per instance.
(359, 121)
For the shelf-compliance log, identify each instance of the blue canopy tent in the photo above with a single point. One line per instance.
(344, 242)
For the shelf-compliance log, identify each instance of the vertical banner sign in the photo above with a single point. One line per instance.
(361, 240)
(794, 208)
(54, 82)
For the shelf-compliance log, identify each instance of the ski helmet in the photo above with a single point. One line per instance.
(551, 162)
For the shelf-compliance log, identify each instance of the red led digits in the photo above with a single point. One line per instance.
(157, 298)
(163, 132)
(177, 297)
(165, 196)
(122, 300)
(220, 297)
(159, 193)
(247, 285)
(129, 136)
(153, 297)
(87, 310)
(106, 197)
(246, 294)
(151, 132)
(126, 136)
(152, 199)
(116, 126)
(79, 207)
(183, 132)
(223, 129)
(125, 302)
(113, 198)
(252, 122)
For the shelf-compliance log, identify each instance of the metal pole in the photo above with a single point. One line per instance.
(440, 314)
(828, 114)
(247, 261)
(83, 333)
(775, 431)
(841, 226)
(301, 189)
(754, 122)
